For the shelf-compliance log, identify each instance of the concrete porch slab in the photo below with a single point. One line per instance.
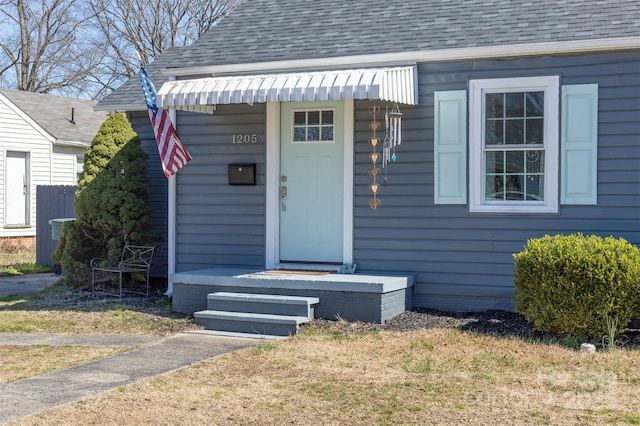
(354, 297)
(267, 279)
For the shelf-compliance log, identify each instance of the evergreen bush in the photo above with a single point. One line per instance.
(111, 202)
(571, 284)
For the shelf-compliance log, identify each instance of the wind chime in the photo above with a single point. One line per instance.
(374, 156)
(392, 139)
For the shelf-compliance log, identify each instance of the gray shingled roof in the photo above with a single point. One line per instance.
(280, 30)
(53, 114)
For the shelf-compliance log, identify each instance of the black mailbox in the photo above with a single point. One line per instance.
(242, 174)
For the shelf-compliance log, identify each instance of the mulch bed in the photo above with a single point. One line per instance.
(493, 323)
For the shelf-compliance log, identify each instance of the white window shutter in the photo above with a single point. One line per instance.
(450, 147)
(579, 144)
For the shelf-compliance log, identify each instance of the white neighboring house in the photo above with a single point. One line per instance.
(43, 139)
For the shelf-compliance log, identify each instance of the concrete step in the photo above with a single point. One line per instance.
(275, 304)
(252, 323)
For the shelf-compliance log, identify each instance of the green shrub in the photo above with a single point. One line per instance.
(572, 284)
(111, 201)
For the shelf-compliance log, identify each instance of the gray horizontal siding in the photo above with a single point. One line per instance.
(464, 261)
(220, 224)
(461, 261)
(157, 187)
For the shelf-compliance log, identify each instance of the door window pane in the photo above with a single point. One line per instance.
(299, 118)
(299, 134)
(327, 118)
(313, 133)
(313, 117)
(313, 126)
(327, 133)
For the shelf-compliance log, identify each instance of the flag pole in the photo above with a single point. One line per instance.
(173, 156)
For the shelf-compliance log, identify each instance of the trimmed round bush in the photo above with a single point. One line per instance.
(571, 284)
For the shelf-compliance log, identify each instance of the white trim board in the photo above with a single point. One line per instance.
(408, 58)
(272, 183)
(272, 186)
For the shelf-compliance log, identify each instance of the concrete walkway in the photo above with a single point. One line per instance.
(152, 356)
(29, 283)
(157, 356)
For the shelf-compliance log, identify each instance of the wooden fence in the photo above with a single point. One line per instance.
(52, 202)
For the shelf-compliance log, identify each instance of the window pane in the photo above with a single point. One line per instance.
(535, 162)
(313, 117)
(327, 117)
(495, 162)
(514, 131)
(494, 133)
(515, 187)
(535, 131)
(514, 104)
(515, 162)
(535, 104)
(327, 133)
(313, 133)
(299, 134)
(495, 105)
(535, 188)
(494, 188)
(299, 118)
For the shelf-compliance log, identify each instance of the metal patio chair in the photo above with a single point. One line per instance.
(135, 260)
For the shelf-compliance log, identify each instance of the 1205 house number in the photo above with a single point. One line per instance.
(244, 138)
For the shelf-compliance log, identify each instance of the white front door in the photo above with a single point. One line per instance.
(312, 182)
(17, 189)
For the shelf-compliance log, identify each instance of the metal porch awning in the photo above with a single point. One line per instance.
(397, 84)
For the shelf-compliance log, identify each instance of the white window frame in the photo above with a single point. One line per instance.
(550, 85)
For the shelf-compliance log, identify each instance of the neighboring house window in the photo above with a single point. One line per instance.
(514, 145)
(79, 167)
(313, 125)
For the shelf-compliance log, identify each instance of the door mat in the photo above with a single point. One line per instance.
(298, 272)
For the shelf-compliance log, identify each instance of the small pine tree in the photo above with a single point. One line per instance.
(111, 203)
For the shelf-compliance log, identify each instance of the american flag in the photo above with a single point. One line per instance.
(173, 154)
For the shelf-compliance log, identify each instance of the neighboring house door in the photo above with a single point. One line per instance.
(311, 182)
(17, 189)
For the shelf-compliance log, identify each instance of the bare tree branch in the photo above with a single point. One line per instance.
(89, 47)
(150, 28)
(43, 45)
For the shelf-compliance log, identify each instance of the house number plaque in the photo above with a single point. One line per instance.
(244, 138)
